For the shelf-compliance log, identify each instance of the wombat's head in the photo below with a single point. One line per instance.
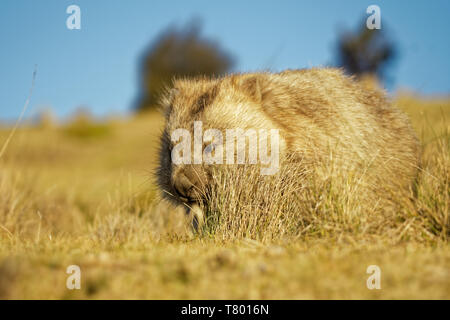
(198, 113)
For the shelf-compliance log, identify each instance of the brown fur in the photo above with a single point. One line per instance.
(325, 119)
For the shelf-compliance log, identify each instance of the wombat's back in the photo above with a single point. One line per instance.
(329, 118)
(329, 125)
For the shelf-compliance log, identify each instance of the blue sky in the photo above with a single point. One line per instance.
(97, 65)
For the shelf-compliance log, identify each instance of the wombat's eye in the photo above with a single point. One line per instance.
(209, 148)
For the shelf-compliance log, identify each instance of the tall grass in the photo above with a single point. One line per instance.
(296, 204)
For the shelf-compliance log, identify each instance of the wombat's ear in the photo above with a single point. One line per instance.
(252, 85)
(173, 93)
(168, 99)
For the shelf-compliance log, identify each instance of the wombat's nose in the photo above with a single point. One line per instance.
(189, 183)
(182, 185)
(186, 186)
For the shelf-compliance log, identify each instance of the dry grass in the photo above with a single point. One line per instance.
(82, 194)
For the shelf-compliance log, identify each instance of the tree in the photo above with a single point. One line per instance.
(178, 53)
(367, 52)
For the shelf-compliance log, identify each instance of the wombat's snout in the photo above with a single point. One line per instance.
(189, 184)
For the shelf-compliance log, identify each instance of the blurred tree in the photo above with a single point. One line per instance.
(367, 52)
(178, 53)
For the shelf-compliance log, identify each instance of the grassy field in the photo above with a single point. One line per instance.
(82, 194)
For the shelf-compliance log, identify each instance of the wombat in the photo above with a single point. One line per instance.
(325, 119)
